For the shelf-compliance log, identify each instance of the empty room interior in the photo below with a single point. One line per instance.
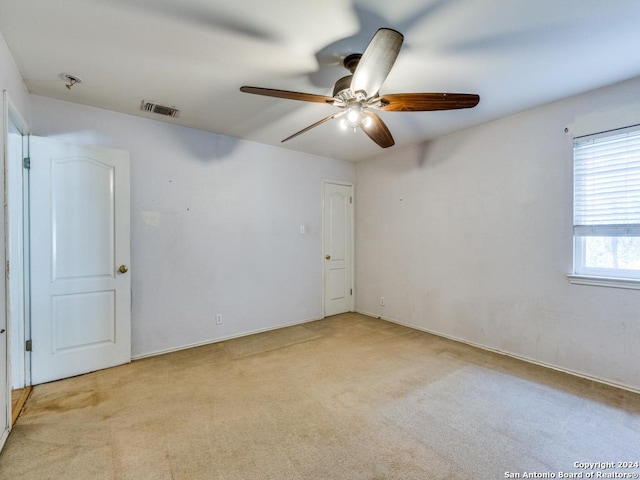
(348, 239)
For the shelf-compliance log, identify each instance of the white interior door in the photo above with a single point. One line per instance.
(80, 287)
(338, 248)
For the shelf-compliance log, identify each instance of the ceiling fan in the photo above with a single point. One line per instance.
(357, 95)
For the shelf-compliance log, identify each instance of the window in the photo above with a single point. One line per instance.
(606, 205)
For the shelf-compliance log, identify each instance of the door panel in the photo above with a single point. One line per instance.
(79, 224)
(338, 213)
(89, 254)
(69, 312)
(338, 246)
(337, 284)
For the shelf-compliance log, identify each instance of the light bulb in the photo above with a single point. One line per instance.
(344, 124)
(367, 121)
(353, 114)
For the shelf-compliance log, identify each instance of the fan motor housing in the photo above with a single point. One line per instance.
(351, 61)
(343, 86)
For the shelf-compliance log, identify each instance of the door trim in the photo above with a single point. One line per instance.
(326, 181)
(14, 220)
(17, 241)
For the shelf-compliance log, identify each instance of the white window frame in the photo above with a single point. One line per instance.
(608, 277)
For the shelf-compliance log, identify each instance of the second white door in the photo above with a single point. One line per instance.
(338, 248)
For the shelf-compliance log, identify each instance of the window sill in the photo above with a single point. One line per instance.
(604, 281)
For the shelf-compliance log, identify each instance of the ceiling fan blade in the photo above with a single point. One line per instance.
(326, 119)
(376, 129)
(423, 102)
(376, 62)
(305, 97)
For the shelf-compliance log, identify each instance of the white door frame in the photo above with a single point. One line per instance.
(325, 181)
(16, 287)
(16, 238)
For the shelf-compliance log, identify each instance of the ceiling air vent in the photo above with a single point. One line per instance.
(154, 107)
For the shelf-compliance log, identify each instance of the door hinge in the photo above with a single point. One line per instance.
(7, 269)
(350, 199)
(351, 291)
(28, 346)
(26, 163)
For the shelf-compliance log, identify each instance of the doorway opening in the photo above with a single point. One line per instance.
(18, 398)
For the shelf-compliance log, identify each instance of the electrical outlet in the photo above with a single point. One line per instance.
(382, 301)
(218, 318)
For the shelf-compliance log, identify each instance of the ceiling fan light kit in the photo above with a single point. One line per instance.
(357, 95)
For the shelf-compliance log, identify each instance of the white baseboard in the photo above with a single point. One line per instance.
(508, 354)
(222, 339)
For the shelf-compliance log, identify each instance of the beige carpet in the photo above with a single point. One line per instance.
(348, 397)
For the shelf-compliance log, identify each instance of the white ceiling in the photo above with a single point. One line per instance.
(195, 54)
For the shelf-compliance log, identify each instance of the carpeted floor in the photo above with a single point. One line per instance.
(348, 397)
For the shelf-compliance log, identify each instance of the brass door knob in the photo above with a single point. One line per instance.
(123, 269)
(328, 257)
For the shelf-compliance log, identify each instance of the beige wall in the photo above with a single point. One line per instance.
(469, 236)
(215, 226)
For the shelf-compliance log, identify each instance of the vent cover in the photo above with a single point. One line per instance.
(154, 107)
